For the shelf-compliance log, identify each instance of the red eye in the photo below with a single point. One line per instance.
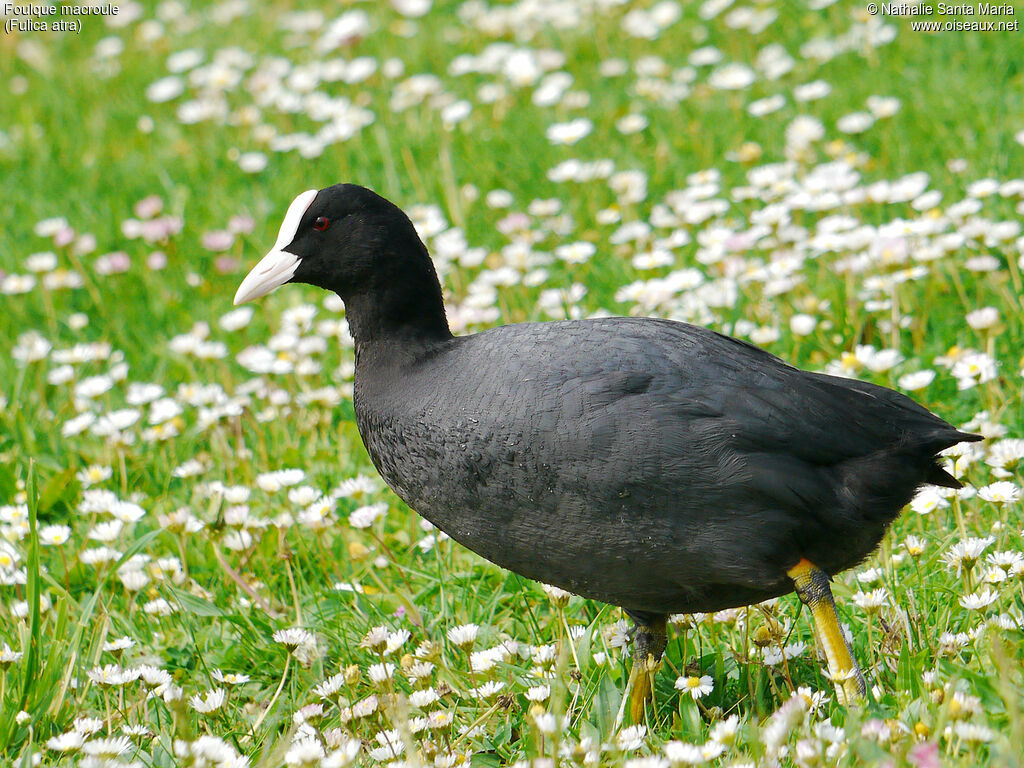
(320, 224)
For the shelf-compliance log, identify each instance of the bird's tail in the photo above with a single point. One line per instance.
(936, 474)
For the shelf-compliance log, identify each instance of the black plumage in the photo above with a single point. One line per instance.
(650, 464)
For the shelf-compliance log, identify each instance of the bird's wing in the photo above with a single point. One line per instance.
(771, 405)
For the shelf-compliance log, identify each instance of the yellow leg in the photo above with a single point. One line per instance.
(812, 587)
(648, 647)
(641, 678)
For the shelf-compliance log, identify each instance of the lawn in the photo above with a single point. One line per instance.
(199, 565)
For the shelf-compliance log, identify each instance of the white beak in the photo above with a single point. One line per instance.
(277, 267)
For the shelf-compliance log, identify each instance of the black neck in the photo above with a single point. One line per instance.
(406, 308)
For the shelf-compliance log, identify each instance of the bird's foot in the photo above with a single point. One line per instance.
(649, 644)
(849, 684)
(642, 683)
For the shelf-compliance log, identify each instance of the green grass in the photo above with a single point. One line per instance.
(73, 146)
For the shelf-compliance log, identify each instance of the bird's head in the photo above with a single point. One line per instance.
(352, 241)
(343, 238)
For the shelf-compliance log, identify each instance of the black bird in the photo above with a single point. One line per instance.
(650, 464)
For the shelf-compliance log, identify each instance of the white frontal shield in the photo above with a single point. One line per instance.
(277, 267)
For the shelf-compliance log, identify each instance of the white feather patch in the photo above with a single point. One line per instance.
(292, 217)
(278, 266)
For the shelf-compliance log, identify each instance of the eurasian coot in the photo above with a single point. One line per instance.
(650, 464)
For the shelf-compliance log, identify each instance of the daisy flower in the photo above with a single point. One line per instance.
(697, 687)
